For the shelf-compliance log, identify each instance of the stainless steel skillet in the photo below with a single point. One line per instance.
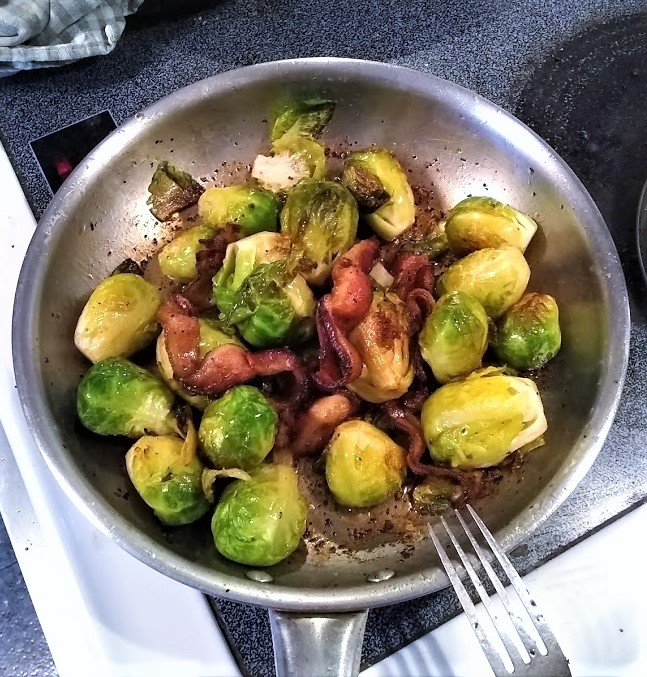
(453, 141)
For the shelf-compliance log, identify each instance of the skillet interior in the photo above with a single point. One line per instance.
(454, 142)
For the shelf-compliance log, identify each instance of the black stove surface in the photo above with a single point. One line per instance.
(577, 74)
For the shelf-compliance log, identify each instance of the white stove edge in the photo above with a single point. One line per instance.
(122, 619)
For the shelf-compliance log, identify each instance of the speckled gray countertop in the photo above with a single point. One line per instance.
(575, 71)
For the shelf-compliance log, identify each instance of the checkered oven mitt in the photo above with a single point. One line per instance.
(41, 33)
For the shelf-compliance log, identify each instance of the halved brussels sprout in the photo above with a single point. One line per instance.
(320, 218)
(119, 318)
(454, 337)
(167, 474)
(258, 291)
(373, 167)
(482, 222)
(293, 159)
(364, 466)
(177, 259)
(528, 335)
(260, 521)
(116, 397)
(477, 422)
(382, 340)
(307, 117)
(238, 429)
(171, 190)
(496, 278)
(252, 209)
(213, 334)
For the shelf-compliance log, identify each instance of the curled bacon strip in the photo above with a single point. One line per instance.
(339, 312)
(412, 271)
(198, 295)
(225, 366)
(469, 481)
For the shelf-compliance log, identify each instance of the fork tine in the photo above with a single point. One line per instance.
(545, 633)
(527, 640)
(510, 648)
(494, 658)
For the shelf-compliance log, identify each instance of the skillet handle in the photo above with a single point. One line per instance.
(328, 645)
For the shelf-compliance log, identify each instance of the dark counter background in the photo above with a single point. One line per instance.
(575, 71)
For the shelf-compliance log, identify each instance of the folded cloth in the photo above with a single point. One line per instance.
(40, 33)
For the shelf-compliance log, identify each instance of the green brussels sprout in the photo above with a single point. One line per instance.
(252, 209)
(258, 292)
(303, 118)
(320, 218)
(116, 397)
(482, 222)
(171, 190)
(496, 278)
(436, 495)
(213, 334)
(364, 466)
(119, 318)
(382, 340)
(455, 336)
(167, 474)
(238, 429)
(260, 521)
(293, 159)
(373, 167)
(477, 422)
(177, 259)
(528, 335)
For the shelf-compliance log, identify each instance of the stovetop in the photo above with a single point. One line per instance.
(575, 71)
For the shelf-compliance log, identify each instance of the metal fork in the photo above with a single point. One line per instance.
(530, 651)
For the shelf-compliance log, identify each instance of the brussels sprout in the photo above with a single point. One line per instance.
(257, 291)
(436, 495)
(365, 186)
(364, 466)
(212, 335)
(177, 259)
(378, 166)
(119, 318)
(238, 429)
(260, 521)
(116, 397)
(172, 190)
(528, 335)
(320, 218)
(168, 475)
(303, 118)
(482, 222)
(454, 337)
(293, 159)
(252, 209)
(496, 278)
(477, 422)
(382, 340)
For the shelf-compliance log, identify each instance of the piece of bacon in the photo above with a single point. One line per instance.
(339, 312)
(198, 294)
(225, 366)
(412, 271)
(470, 481)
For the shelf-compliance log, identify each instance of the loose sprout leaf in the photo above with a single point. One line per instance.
(171, 190)
(209, 476)
(128, 266)
(303, 118)
(436, 495)
(433, 245)
(366, 187)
